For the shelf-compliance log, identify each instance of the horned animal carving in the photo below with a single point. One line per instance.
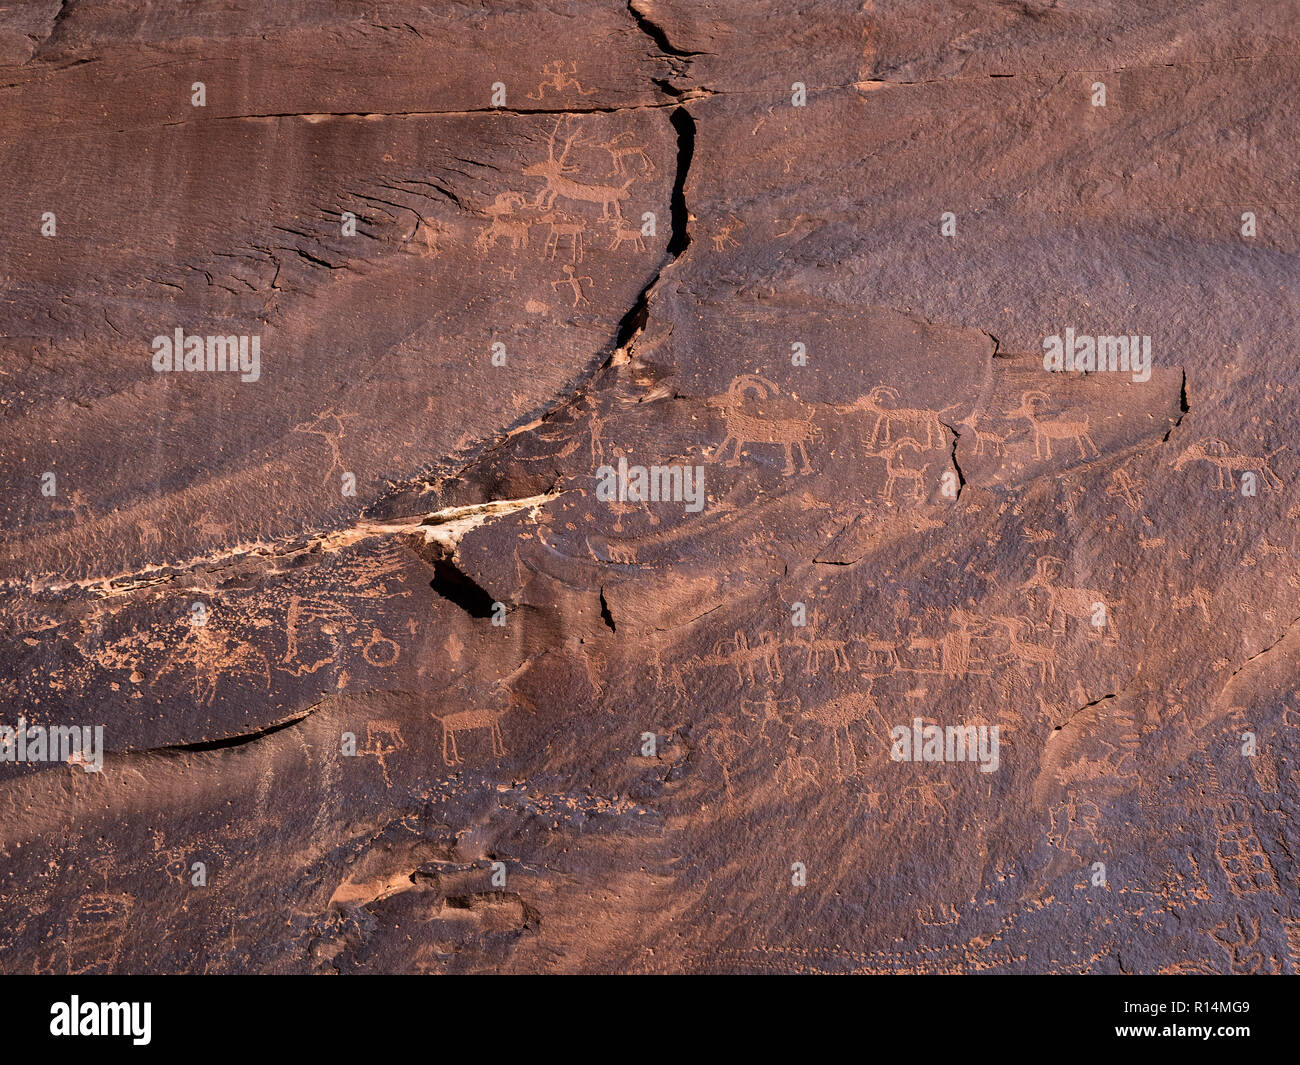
(1047, 430)
(469, 720)
(555, 171)
(757, 414)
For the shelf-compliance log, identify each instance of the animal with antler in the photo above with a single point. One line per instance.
(756, 414)
(1219, 454)
(1065, 603)
(619, 150)
(887, 417)
(555, 172)
(1047, 430)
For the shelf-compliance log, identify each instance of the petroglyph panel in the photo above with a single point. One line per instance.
(721, 488)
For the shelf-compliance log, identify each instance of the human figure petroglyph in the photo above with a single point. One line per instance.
(620, 150)
(319, 426)
(559, 80)
(574, 283)
(1228, 462)
(554, 172)
(875, 803)
(1124, 487)
(756, 413)
(1047, 430)
(1064, 602)
(382, 739)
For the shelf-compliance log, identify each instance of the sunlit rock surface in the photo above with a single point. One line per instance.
(642, 534)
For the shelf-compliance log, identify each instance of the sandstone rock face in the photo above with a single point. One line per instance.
(648, 530)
